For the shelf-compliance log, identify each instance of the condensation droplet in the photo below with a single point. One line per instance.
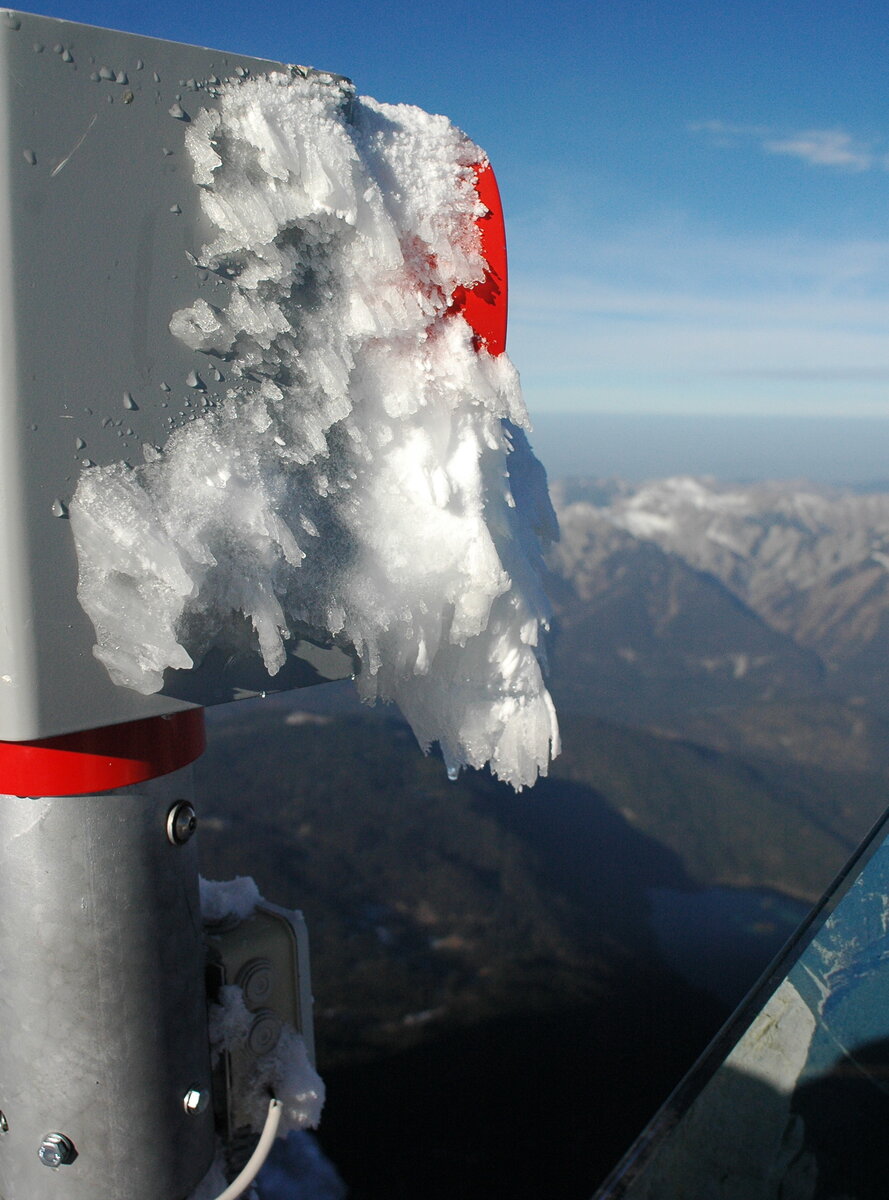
(139, 64)
(88, 411)
(216, 375)
(87, 462)
(167, 152)
(165, 387)
(193, 380)
(79, 444)
(156, 77)
(59, 508)
(175, 208)
(453, 774)
(178, 112)
(94, 76)
(39, 47)
(58, 48)
(121, 77)
(129, 402)
(30, 157)
(106, 73)
(67, 56)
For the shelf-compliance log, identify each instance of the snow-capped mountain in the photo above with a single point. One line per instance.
(812, 562)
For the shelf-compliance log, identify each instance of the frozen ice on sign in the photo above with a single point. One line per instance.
(368, 472)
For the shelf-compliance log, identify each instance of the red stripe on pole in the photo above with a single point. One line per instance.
(96, 760)
(484, 305)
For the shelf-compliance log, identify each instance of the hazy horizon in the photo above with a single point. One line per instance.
(837, 451)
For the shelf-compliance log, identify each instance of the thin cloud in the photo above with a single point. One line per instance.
(818, 147)
(824, 148)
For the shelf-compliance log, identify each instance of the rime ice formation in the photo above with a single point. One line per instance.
(367, 474)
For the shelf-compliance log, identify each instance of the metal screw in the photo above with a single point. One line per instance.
(56, 1151)
(182, 821)
(195, 1100)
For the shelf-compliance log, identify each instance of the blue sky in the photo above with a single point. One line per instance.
(697, 194)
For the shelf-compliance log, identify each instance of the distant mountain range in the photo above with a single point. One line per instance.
(689, 599)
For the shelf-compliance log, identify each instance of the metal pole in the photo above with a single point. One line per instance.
(104, 1059)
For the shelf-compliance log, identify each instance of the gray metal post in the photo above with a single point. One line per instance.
(102, 1002)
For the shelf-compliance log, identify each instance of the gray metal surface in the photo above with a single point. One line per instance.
(102, 1002)
(98, 215)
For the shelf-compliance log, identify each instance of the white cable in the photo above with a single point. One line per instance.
(256, 1161)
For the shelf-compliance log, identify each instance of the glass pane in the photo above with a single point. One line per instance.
(791, 1102)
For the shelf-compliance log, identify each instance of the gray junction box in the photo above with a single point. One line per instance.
(100, 228)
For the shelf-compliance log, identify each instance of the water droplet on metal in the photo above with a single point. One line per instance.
(39, 47)
(216, 375)
(175, 208)
(129, 402)
(11, 21)
(167, 152)
(79, 444)
(130, 432)
(87, 462)
(107, 422)
(121, 77)
(67, 56)
(139, 64)
(94, 76)
(156, 77)
(106, 73)
(193, 380)
(178, 112)
(88, 411)
(34, 427)
(59, 508)
(453, 774)
(30, 157)
(58, 48)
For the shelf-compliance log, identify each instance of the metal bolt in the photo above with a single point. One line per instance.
(56, 1151)
(195, 1100)
(181, 822)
